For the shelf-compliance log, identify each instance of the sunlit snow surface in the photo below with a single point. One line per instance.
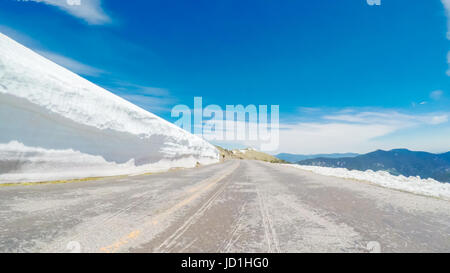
(56, 125)
(417, 185)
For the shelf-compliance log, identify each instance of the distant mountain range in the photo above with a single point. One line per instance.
(295, 157)
(396, 162)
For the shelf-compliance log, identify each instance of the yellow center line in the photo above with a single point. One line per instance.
(199, 190)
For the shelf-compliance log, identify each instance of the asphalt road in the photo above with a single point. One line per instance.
(236, 206)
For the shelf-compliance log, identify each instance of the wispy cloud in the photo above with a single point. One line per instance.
(391, 118)
(361, 131)
(72, 65)
(436, 95)
(446, 4)
(155, 100)
(448, 62)
(90, 11)
(309, 109)
(18, 36)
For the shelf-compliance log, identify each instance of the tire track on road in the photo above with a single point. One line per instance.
(206, 185)
(169, 244)
(269, 230)
(232, 240)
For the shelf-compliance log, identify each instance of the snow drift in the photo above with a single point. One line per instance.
(413, 184)
(56, 125)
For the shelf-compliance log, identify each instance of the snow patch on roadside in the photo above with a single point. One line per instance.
(48, 164)
(412, 184)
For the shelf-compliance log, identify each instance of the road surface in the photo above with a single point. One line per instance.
(236, 206)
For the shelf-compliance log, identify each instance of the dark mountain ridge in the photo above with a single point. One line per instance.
(297, 157)
(397, 162)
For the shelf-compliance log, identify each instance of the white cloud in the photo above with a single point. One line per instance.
(309, 109)
(90, 11)
(312, 138)
(446, 4)
(363, 132)
(435, 120)
(448, 62)
(358, 131)
(392, 118)
(72, 65)
(436, 95)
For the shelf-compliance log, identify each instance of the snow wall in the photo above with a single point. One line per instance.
(56, 125)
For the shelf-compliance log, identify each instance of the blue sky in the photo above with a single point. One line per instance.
(349, 77)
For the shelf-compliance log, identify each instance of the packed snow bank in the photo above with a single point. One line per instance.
(50, 165)
(56, 125)
(428, 187)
